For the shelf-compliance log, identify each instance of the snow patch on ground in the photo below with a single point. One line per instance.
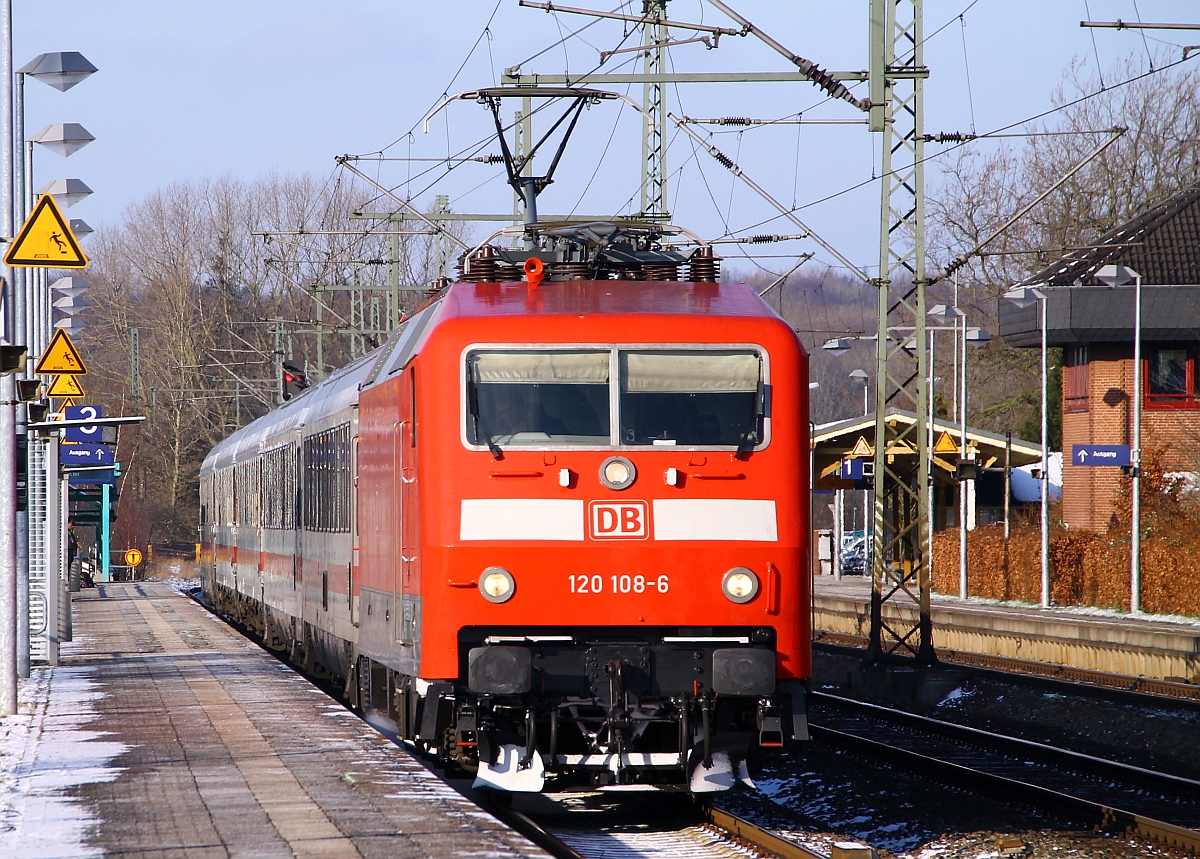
(181, 585)
(45, 751)
(1089, 611)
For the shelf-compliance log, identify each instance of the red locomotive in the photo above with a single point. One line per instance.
(554, 532)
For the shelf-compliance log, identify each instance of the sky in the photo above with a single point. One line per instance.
(191, 90)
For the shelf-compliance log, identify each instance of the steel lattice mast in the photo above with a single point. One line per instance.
(900, 562)
(654, 149)
(900, 568)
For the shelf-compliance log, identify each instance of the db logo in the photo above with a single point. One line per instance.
(619, 521)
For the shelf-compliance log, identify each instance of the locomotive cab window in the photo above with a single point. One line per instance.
(615, 398)
(535, 398)
(694, 398)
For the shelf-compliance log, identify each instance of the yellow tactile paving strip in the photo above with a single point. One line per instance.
(232, 754)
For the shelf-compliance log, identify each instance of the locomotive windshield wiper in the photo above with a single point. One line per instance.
(750, 433)
(473, 405)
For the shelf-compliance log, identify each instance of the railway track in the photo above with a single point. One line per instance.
(1117, 797)
(592, 826)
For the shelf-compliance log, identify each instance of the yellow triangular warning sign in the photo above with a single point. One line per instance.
(46, 240)
(945, 444)
(60, 356)
(861, 448)
(65, 386)
(64, 405)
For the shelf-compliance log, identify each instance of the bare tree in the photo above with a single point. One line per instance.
(1158, 156)
(189, 266)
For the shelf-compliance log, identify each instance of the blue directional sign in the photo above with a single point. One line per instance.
(86, 454)
(1099, 454)
(85, 433)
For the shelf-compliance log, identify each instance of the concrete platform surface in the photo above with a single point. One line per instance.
(165, 734)
(1162, 648)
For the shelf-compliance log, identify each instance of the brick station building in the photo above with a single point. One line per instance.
(1094, 325)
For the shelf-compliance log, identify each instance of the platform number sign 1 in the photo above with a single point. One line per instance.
(83, 433)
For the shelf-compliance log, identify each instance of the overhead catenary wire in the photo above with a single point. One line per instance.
(996, 133)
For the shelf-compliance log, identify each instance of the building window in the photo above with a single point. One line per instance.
(1171, 378)
(1075, 379)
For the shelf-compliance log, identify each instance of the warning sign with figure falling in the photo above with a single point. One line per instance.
(46, 240)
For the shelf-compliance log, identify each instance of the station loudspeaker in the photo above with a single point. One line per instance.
(12, 359)
(29, 390)
(37, 412)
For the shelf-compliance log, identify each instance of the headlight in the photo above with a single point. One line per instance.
(617, 472)
(497, 584)
(740, 585)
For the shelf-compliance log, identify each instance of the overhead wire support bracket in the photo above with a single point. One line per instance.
(962, 259)
(708, 43)
(633, 19)
(745, 121)
(1137, 25)
(737, 171)
(344, 161)
(823, 79)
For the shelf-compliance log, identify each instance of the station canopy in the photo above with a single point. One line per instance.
(856, 437)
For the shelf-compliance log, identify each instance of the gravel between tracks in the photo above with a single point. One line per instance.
(839, 795)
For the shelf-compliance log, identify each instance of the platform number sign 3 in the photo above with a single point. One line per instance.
(83, 433)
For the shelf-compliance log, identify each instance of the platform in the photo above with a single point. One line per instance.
(164, 733)
(1138, 646)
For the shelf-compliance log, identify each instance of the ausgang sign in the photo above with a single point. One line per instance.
(1099, 454)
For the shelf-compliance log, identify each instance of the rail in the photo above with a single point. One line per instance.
(1068, 780)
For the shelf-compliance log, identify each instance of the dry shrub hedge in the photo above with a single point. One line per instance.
(1086, 568)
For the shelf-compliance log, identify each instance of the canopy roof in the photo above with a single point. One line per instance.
(832, 442)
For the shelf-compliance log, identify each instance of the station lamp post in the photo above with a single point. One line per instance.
(1027, 296)
(60, 70)
(1118, 275)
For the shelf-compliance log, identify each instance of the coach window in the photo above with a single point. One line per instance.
(535, 398)
(691, 397)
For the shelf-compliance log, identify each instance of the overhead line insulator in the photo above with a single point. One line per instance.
(725, 160)
(948, 137)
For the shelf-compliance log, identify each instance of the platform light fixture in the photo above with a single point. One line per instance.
(977, 337)
(836, 346)
(66, 192)
(63, 138)
(944, 314)
(59, 69)
(860, 377)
